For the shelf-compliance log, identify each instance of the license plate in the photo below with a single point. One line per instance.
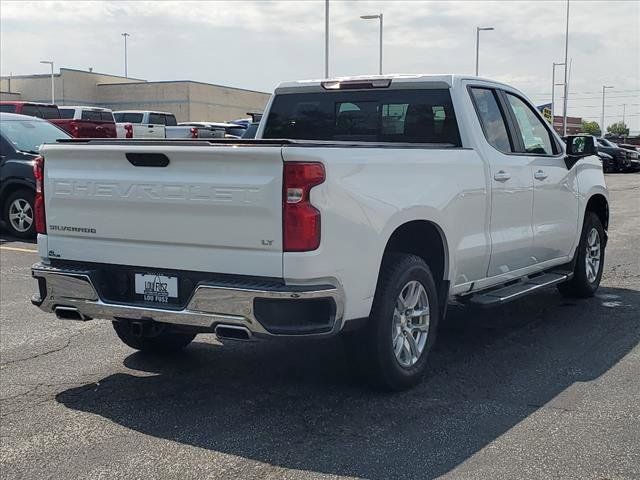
(156, 288)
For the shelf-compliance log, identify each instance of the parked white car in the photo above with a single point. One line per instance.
(364, 206)
(150, 124)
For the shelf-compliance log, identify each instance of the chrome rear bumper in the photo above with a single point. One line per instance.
(210, 305)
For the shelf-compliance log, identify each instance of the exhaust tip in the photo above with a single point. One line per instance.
(68, 313)
(232, 332)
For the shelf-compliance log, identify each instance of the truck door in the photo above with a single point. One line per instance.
(511, 184)
(89, 123)
(156, 125)
(555, 189)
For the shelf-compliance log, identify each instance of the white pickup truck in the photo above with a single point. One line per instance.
(364, 206)
(150, 124)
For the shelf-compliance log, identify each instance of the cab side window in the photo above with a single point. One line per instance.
(491, 119)
(535, 136)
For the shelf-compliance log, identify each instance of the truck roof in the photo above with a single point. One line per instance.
(24, 102)
(86, 107)
(382, 81)
(143, 111)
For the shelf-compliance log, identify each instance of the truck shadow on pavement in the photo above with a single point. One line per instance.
(297, 405)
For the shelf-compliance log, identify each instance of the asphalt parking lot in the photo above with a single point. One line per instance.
(542, 388)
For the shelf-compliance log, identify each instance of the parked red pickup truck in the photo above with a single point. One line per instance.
(47, 111)
(77, 121)
(86, 122)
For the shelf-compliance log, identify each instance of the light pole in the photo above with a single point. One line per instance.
(371, 17)
(326, 39)
(53, 96)
(125, 35)
(478, 30)
(553, 91)
(566, 85)
(604, 87)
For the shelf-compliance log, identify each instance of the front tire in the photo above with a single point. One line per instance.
(395, 342)
(19, 215)
(157, 341)
(589, 264)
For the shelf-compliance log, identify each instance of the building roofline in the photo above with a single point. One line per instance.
(32, 75)
(101, 73)
(188, 81)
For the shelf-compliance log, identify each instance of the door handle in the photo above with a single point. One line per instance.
(540, 175)
(502, 176)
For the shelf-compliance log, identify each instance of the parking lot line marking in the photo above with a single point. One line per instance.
(16, 249)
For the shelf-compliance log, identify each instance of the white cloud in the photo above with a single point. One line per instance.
(257, 44)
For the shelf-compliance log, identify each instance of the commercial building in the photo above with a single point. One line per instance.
(574, 125)
(188, 100)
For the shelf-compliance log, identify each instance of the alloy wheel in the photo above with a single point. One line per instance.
(20, 215)
(410, 324)
(592, 258)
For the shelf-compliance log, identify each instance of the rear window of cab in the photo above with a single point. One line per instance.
(395, 116)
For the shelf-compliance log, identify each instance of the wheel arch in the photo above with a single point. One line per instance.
(599, 205)
(10, 186)
(427, 240)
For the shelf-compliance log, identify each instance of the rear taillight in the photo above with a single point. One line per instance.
(128, 130)
(75, 130)
(194, 132)
(38, 203)
(300, 219)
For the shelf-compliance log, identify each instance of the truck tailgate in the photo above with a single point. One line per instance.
(211, 208)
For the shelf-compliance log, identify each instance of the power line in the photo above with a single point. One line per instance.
(616, 116)
(574, 99)
(607, 106)
(584, 93)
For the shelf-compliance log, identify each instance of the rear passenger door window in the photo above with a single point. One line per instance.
(156, 119)
(106, 117)
(91, 115)
(67, 113)
(31, 110)
(536, 138)
(48, 111)
(491, 118)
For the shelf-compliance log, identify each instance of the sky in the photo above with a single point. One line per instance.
(256, 45)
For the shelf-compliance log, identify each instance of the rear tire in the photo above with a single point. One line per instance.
(19, 215)
(394, 344)
(157, 342)
(589, 264)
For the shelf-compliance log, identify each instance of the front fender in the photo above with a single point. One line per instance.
(591, 181)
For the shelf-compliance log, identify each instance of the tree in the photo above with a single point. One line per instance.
(592, 128)
(618, 128)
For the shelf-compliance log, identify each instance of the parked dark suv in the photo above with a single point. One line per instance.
(20, 140)
(623, 159)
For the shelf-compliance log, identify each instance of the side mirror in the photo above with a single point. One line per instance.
(581, 145)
